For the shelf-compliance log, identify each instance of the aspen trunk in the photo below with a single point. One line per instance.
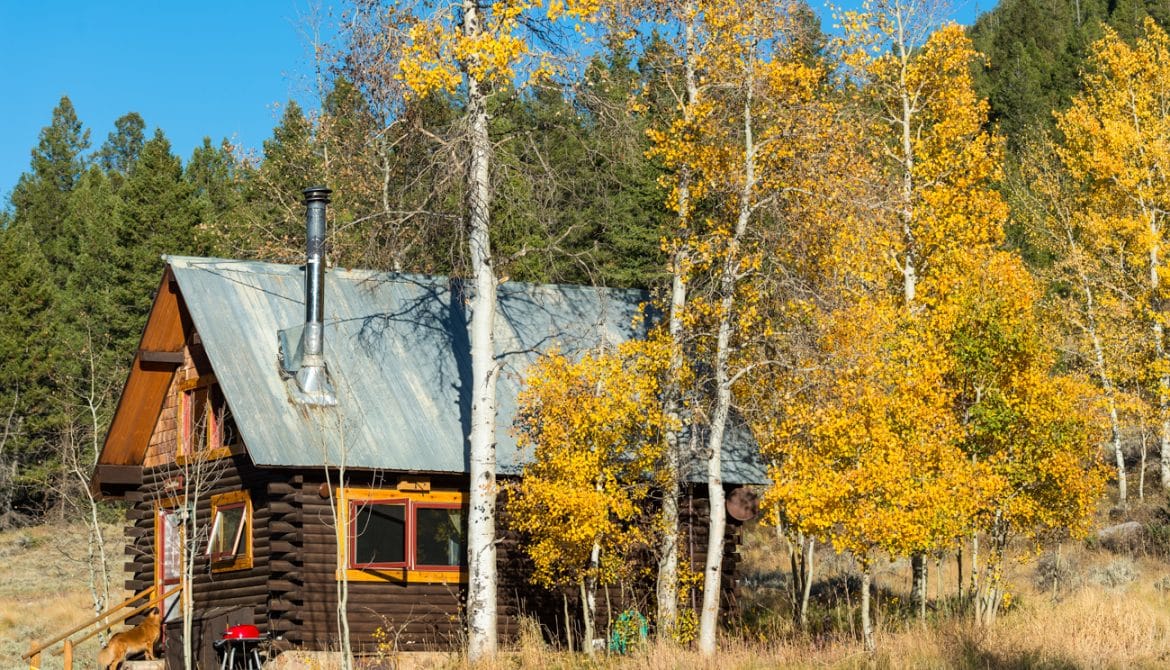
(587, 609)
(1158, 335)
(712, 574)
(909, 260)
(918, 585)
(797, 586)
(481, 521)
(672, 398)
(1142, 464)
(867, 637)
(959, 568)
(1107, 387)
(974, 565)
(990, 595)
(806, 583)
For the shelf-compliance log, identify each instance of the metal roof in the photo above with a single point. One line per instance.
(398, 354)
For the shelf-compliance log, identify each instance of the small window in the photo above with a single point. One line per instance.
(226, 531)
(229, 543)
(379, 534)
(439, 537)
(207, 422)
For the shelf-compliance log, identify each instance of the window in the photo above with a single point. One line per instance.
(378, 534)
(438, 536)
(418, 537)
(229, 544)
(207, 423)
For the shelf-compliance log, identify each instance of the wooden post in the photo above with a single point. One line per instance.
(67, 652)
(34, 661)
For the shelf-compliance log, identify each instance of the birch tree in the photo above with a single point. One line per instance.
(1117, 142)
(478, 46)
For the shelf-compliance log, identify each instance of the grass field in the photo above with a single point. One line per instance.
(1085, 606)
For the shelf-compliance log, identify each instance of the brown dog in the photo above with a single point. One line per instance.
(139, 638)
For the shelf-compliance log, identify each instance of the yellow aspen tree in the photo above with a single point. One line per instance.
(734, 146)
(941, 160)
(594, 428)
(476, 46)
(1098, 310)
(1035, 431)
(1117, 141)
(678, 185)
(866, 454)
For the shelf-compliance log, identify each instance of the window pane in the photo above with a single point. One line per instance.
(195, 420)
(226, 532)
(440, 536)
(221, 418)
(381, 533)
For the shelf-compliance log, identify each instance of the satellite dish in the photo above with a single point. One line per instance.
(743, 504)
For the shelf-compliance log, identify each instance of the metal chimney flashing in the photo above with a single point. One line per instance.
(311, 385)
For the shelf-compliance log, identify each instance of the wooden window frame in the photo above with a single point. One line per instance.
(414, 535)
(407, 534)
(213, 447)
(168, 506)
(242, 559)
(350, 499)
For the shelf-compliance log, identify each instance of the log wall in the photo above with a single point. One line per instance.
(291, 590)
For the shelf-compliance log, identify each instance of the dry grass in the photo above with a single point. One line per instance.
(1110, 610)
(43, 589)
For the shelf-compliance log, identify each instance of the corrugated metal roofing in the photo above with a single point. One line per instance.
(398, 354)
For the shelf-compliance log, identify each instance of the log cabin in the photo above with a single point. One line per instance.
(279, 443)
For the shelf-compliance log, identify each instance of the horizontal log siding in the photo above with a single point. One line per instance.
(239, 595)
(291, 589)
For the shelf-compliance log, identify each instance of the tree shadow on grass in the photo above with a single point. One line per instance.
(969, 649)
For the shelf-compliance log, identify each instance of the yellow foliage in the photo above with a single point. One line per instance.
(868, 455)
(595, 429)
(442, 50)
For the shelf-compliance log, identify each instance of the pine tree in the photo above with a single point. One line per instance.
(28, 420)
(122, 147)
(41, 196)
(158, 215)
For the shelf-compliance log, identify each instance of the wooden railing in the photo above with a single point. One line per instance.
(98, 624)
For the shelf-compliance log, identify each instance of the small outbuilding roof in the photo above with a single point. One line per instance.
(397, 351)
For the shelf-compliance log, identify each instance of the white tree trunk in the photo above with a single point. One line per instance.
(672, 400)
(918, 595)
(481, 521)
(867, 637)
(1110, 396)
(806, 582)
(712, 573)
(589, 598)
(906, 213)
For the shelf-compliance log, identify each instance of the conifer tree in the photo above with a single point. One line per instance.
(41, 196)
(157, 216)
(122, 147)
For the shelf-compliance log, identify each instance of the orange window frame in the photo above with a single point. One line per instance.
(242, 558)
(350, 499)
(212, 446)
(355, 507)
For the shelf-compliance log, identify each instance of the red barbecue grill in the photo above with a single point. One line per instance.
(244, 638)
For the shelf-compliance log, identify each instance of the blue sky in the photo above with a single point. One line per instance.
(211, 68)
